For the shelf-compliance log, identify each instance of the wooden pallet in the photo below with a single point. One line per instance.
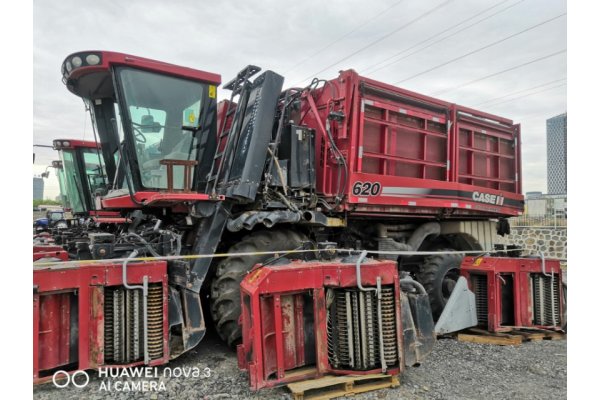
(329, 387)
(511, 338)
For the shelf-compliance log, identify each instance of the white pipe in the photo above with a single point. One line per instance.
(377, 290)
(551, 286)
(144, 288)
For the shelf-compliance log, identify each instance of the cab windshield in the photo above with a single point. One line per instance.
(81, 184)
(73, 184)
(94, 170)
(64, 199)
(56, 215)
(162, 114)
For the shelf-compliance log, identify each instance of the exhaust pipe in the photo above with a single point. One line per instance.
(278, 217)
(253, 220)
(269, 218)
(236, 225)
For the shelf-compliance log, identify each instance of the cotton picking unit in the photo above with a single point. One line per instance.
(344, 163)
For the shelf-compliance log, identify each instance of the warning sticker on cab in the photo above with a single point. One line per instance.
(212, 91)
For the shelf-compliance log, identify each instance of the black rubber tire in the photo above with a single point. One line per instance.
(225, 297)
(437, 274)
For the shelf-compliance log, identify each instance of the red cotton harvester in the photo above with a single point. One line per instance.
(286, 177)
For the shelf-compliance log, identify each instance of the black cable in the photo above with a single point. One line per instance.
(342, 37)
(487, 46)
(441, 39)
(527, 95)
(421, 16)
(517, 92)
(311, 87)
(500, 72)
(341, 161)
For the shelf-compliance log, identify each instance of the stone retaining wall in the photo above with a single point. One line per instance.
(551, 241)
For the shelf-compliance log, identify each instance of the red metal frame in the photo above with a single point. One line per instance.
(426, 155)
(273, 345)
(107, 217)
(76, 144)
(109, 58)
(59, 253)
(55, 286)
(37, 248)
(154, 199)
(496, 269)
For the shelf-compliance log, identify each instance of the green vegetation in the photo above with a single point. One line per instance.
(37, 203)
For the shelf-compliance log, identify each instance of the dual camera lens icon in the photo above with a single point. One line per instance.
(62, 379)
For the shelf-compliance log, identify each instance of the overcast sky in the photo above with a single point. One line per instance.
(434, 53)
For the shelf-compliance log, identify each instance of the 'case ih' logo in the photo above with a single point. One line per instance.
(488, 198)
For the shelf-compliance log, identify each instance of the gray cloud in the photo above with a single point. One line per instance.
(224, 36)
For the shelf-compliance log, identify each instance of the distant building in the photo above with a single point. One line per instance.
(38, 188)
(546, 205)
(556, 150)
(533, 195)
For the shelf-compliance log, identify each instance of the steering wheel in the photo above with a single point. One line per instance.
(139, 136)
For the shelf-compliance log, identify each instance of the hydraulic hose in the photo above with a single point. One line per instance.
(145, 243)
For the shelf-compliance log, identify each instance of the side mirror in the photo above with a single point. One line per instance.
(148, 125)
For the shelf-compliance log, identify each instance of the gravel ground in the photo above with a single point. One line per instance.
(454, 370)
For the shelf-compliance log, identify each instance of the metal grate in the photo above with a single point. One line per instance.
(479, 287)
(123, 324)
(545, 293)
(353, 331)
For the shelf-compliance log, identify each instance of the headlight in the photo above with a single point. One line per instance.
(69, 66)
(66, 144)
(92, 59)
(56, 144)
(76, 62)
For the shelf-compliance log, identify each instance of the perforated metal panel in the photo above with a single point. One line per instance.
(124, 324)
(352, 329)
(545, 293)
(479, 287)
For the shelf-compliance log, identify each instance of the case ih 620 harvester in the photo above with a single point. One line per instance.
(213, 191)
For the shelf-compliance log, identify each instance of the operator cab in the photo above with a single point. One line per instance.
(60, 176)
(81, 173)
(156, 124)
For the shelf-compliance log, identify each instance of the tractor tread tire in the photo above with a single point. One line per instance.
(225, 295)
(431, 276)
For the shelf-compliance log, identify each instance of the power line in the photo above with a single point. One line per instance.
(342, 37)
(441, 39)
(531, 115)
(519, 91)
(487, 46)
(425, 14)
(499, 72)
(529, 94)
